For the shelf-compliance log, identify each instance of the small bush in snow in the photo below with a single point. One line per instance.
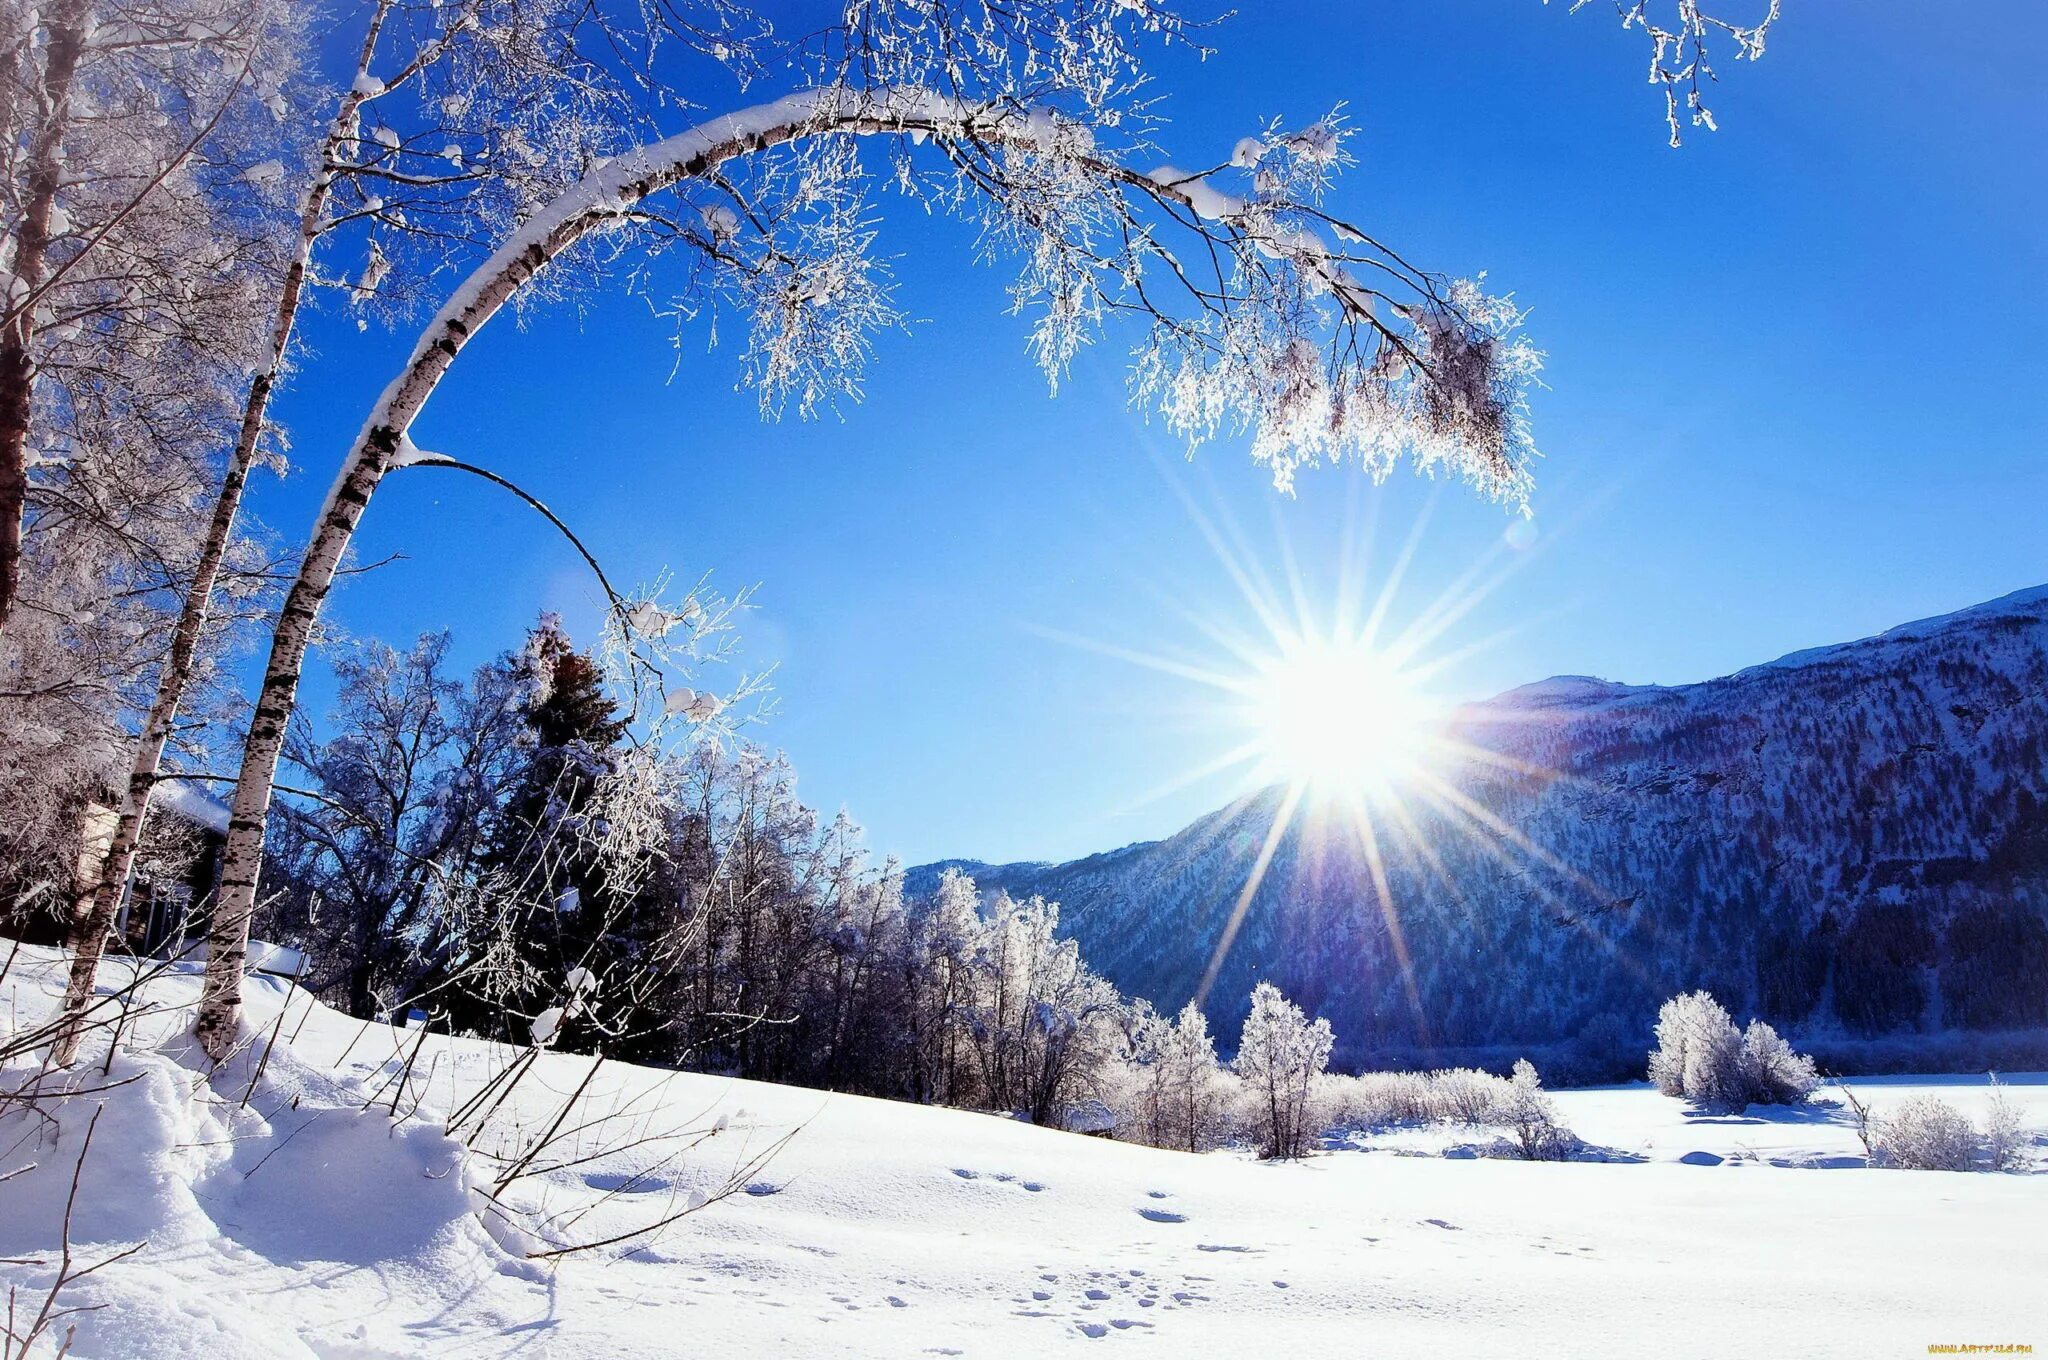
(1925, 1134)
(2003, 1138)
(1702, 1057)
(1465, 1095)
(1772, 1072)
(1377, 1100)
(1530, 1118)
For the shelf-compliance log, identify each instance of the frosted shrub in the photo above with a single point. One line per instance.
(1530, 1118)
(1406, 1095)
(1925, 1134)
(2003, 1137)
(1771, 1072)
(1458, 1095)
(1374, 1100)
(1465, 1095)
(1699, 1052)
(1701, 1057)
(1343, 1104)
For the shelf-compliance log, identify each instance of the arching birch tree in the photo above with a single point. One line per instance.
(1260, 312)
(455, 119)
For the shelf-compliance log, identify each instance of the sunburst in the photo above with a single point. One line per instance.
(1339, 712)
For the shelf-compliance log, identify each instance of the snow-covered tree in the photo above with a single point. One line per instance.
(1043, 1022)
(128, 238)
(1281, 1056)
(1257, 310)
(1702, 1057)
(2004, 1136)
(1698, 1051)
(398, 805)
(1139, 1093)
(1196, 1088)
(1772, 1073)
(940, 971)
(1530, 1117)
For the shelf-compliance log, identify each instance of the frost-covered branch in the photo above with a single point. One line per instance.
(1681, 33)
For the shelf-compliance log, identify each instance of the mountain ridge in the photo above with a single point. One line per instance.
(1849, 840)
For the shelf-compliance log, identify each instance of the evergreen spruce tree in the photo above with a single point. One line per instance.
(542, 864)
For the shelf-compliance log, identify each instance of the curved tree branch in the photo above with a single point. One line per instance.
(428, 460)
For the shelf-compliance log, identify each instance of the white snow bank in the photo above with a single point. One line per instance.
(308, 1226)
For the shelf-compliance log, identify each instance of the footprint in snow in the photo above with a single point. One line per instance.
(1000, 1177)
(1157, 1194)
(624, 1184)
(1439, 1223)
(1162, 1215)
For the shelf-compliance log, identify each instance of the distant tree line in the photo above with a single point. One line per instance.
(449, 849)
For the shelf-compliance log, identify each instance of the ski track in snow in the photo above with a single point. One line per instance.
(307, 1226)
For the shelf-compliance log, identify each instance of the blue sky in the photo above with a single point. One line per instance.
(1795, 396)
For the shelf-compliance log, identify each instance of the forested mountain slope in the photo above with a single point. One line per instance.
(1851, 841)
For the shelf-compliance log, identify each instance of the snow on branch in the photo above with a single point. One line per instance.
(1267, 317)
(1679, 50)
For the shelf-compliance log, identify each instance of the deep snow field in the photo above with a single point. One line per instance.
(304, 1225)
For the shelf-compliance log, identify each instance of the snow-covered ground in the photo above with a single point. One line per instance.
(1635, 1124)
(304, 1225)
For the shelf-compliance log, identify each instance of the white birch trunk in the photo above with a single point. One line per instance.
(65, 45)
(597, 202)
(89, 934)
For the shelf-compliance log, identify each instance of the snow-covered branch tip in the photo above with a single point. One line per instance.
(1681, 33)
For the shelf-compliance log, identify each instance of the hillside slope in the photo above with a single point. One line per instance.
(1851, 840)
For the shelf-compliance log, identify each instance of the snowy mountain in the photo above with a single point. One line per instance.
(1851, 841)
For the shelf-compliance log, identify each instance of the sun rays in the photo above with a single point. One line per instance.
(1333, 706)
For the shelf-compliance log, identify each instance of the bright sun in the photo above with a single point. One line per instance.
(1337, 718)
